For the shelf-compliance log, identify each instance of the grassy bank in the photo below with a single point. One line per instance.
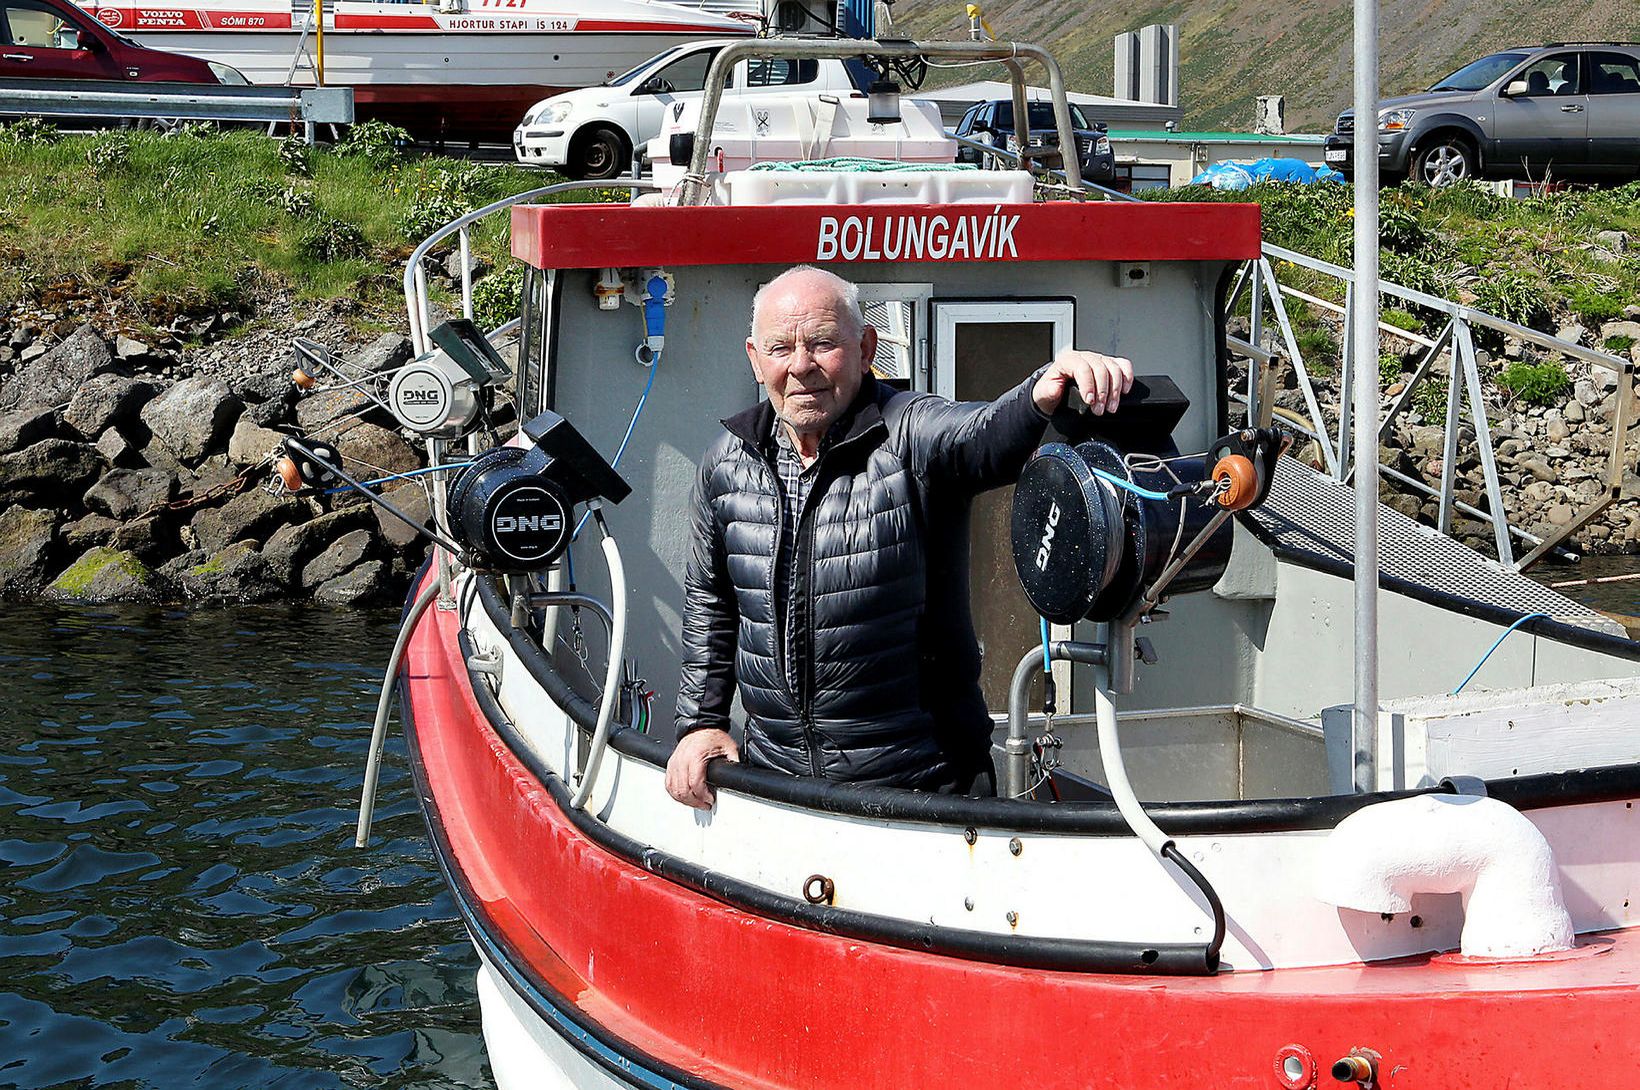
(155, 227)
(1543, 262)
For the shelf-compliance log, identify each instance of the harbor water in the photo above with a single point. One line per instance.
(183, 905)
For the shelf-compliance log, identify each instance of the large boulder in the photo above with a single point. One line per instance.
(250, 516)
(237, 573)
(25, 427)
(117, 448)
(126, 493)
(388, 351)
(383, 451)
(290, 548)
(52, 378)
(26, 541)
(52, 469)
(88, 532)
(105, 575)
(250, 443)
(192, 418)
(150, 539)
(365, 584)
(347, 551)
(409, 498)
(103, 401)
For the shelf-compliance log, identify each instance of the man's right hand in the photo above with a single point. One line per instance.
(686, 769)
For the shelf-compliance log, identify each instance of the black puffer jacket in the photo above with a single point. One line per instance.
(888, 681)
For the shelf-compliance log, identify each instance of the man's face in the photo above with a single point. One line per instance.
(807, 356)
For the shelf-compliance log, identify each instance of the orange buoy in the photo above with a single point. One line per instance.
(286, 468)
(302, 379)
(1238, 481)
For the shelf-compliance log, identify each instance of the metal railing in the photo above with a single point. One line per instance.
(173, 101)
(1455, 344)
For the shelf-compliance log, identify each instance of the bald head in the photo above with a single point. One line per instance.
(810, 350)
(813, 286)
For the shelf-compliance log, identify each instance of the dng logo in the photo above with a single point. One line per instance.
(525, 524)
(1047, 537)
(409, 395)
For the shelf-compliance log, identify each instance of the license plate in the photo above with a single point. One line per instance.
(1337, 155)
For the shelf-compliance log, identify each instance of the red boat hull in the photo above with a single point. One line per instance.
(699, 991)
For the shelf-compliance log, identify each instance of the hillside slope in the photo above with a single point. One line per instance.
(1232, 50)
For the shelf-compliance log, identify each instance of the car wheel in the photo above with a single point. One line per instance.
(1444, 161)
(596, 154)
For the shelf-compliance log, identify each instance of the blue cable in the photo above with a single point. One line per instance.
(654, 323)
(1123, 482)
(398, 477)
(1495, 645)
(1047, 666)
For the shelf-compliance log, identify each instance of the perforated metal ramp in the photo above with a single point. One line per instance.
(1309, 515)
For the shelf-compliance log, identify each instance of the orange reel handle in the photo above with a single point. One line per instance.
(1238, 479)
(287, 473)
(302, 379)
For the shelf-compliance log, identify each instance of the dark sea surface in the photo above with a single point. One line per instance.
(182, 905)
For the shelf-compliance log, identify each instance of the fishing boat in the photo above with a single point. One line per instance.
(1210, 863)
(463, 69)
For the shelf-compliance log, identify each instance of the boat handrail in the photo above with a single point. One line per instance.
(415, 277)
(1010, 54)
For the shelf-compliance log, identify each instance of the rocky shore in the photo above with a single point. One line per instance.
(136, 468)
(1552, 459)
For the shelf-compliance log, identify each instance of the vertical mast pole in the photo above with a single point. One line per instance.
(1364, 320)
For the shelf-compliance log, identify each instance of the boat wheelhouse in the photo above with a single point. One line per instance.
(1267, 916)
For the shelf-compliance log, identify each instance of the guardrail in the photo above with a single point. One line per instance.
(308, 106)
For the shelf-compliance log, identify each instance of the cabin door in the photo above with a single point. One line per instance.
(981, 350)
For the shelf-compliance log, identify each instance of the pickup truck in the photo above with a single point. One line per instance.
(590, 132)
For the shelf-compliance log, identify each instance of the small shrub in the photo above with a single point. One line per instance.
(497, 297)
(1509, 294)
(1536, 383)
(1390, 369)
(1430, 398)
(195, 130)
(108, 153)
(1401, 319)
(1620, 343)
(294, 157)
(374, 140)
(1594, 307)
(29, 131)
(295, 202)
(1466, 198)
(1399, 229)
(1409, 271)
(332, 240)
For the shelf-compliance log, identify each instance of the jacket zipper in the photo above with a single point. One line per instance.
(805, 696)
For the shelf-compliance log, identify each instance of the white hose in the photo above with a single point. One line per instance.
(378, 729)
(612, 674)
(1116, 777)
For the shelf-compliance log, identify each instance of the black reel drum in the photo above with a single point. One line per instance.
(1085, 547)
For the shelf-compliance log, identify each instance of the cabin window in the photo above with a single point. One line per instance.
(780, 71)
(982, 349)
(899, 313)
(534, 343)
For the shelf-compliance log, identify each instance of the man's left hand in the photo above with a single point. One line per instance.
(1099, 380)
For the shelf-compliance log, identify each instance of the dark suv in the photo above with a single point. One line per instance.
(1566, 110)
(993, 123)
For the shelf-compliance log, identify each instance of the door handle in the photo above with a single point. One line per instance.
(23, 57)
(1572, 109)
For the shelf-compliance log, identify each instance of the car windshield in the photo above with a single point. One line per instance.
(1041, 116)
(1478, 74)
(633, 73)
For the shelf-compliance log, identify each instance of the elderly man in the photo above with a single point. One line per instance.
(828, 571)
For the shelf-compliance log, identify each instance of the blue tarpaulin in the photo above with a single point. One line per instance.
(1240, 175)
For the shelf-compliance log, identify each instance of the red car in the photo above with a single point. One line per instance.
(53, 39)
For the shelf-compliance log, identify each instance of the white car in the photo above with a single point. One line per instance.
(590, 132)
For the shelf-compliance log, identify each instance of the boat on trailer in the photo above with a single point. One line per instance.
(463, 69)
(1438, 898)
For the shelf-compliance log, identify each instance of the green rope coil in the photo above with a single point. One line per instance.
(853, 164)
